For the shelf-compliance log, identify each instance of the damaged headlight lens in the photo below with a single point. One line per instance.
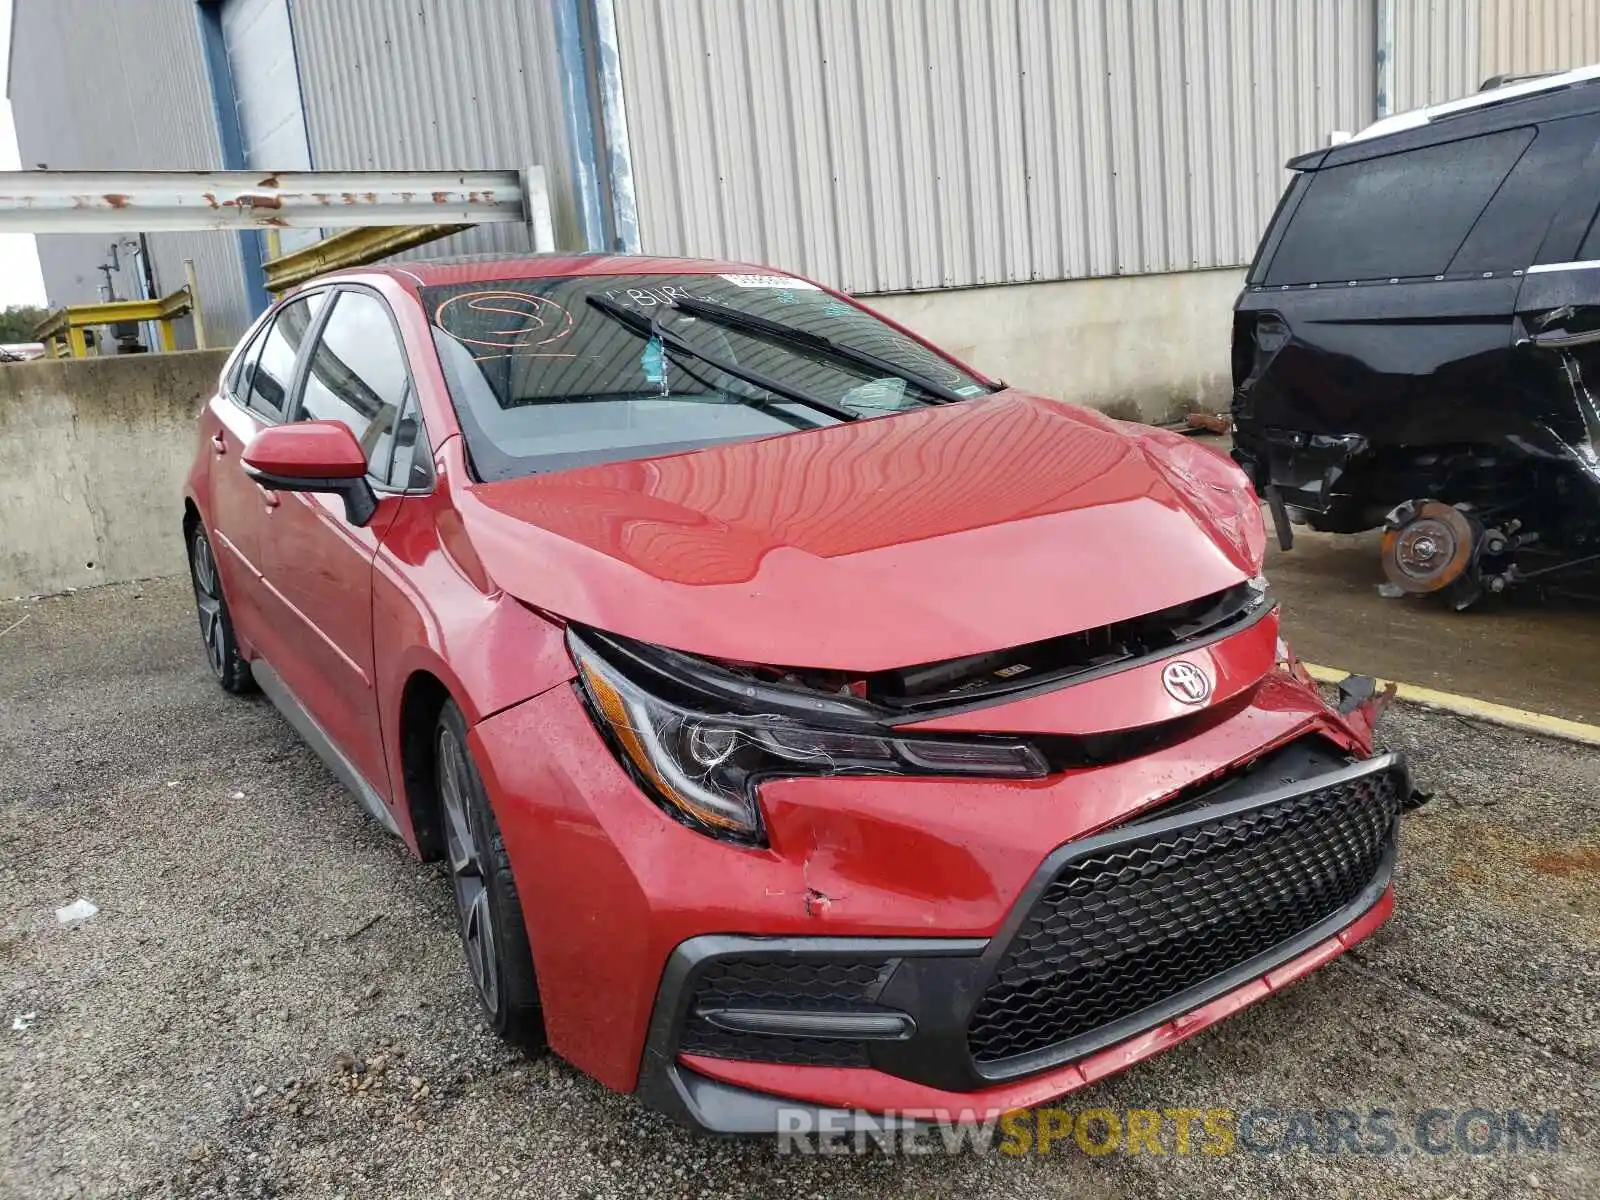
(704, 767)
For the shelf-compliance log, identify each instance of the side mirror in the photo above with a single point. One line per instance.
(313, 456)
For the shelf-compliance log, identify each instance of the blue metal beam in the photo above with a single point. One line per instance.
(208, 15)
(614, 119)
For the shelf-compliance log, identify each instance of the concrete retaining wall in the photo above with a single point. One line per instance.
(92, 459)
(1141, 347)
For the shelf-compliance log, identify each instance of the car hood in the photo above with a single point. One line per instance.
(941, 532)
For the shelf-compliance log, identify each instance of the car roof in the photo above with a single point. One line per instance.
(1527, 102)
(1533, 85)
(474, 268)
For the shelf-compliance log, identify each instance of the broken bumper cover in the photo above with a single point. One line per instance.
(1122, 945)
(1307, 471)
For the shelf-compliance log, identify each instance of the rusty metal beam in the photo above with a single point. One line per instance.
(155, 201)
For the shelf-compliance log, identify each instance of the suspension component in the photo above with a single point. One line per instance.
(1430, 547)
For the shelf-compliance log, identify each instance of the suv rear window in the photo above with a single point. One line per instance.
(1403, 214)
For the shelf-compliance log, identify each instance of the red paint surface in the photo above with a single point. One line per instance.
(941, 532)
(936, 533)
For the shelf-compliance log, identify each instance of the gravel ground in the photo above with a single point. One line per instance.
(270, 1000)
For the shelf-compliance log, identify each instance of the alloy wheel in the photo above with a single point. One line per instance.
(208, 602)
(474, 909)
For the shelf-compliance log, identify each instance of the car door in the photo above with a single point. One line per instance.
(316, 565)
(254, 394)
(1556, 374)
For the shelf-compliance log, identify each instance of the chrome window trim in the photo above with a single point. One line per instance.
(1587, 264)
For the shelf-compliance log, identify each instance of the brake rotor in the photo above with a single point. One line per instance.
(1431, 550)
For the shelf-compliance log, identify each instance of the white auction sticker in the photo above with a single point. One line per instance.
(771, 281)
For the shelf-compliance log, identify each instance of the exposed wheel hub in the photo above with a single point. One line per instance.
(1433, 548)
(1430, 547)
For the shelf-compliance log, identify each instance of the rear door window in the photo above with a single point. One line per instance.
(358, 375)
(243, 367)
(1508, 235)
(264, 382)
(1404, 214)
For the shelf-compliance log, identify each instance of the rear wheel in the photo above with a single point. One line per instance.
(216, 627)
(488, 912)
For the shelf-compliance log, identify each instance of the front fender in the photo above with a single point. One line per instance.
(433, 615)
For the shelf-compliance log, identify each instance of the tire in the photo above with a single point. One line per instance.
(216, 626)
(489, 920)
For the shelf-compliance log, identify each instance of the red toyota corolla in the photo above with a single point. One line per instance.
(806, 719)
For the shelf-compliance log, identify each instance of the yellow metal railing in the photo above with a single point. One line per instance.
(63, 330)
(67, 325)
(349, 248)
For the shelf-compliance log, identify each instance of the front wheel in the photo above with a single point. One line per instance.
(216, 626)
(488, 912)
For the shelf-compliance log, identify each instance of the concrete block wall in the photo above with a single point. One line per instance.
(1140, 347)
(92, 459)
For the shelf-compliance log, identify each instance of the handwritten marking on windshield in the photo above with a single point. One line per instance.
(523, 322)
(772, 281)
(649, 297)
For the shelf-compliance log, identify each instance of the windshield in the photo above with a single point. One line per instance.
(560, 372)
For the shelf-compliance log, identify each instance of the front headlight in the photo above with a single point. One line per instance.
(704, 767)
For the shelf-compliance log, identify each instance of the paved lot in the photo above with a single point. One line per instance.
(270, 1000)
(1524, 648)
(1521, 649)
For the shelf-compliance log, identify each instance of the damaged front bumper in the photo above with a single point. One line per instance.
(1231, 895)
(616, 891)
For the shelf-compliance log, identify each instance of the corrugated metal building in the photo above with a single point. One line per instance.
(893, 147)
(91, 88)
(1064, 190)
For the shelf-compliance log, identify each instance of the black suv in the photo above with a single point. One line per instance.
(1418, 341)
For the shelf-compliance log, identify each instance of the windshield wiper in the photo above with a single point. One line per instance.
(778, 331)
(650, 327)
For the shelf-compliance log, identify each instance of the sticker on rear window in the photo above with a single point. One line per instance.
(771, 281)
(653, 362)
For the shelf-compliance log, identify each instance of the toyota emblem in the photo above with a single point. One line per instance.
(1186, 683)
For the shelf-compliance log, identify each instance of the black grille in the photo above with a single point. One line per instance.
(1132, 926)
(777, 983)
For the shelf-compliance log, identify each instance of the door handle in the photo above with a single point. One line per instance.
(219, 443)
(268, 497)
